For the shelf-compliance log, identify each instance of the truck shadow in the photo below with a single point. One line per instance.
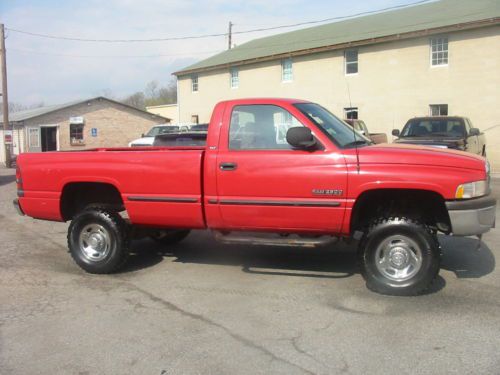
(7, 179)
(459, 256)
(462, 256)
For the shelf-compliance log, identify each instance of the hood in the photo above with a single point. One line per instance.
(147, 141)
(442, 142)
(419, 155)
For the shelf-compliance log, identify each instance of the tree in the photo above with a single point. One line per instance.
(17, 107)
(153, 94)
(136, 100)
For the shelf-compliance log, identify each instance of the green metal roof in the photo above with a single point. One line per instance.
(406, 20)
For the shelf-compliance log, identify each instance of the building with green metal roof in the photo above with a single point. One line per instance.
(439, 57)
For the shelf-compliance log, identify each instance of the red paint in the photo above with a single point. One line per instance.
(285, 176)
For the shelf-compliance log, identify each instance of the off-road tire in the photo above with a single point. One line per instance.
(170, 237)
(117, 234)
(383, 229)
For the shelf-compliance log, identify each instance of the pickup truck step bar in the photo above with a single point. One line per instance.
(271, 239)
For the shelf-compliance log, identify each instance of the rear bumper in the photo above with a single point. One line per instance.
(18, 207)
(473, 216)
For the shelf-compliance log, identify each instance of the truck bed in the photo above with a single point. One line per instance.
(152, 181)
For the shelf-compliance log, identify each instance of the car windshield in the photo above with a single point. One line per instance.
(162, 130)
(429, 127)
(337, 130)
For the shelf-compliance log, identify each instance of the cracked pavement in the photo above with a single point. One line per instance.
(204, 308)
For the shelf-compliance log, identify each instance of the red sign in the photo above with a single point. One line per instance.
(8, 137)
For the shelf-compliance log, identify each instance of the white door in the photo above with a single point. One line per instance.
(33, 139)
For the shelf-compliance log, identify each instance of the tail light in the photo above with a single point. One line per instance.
(19, 183)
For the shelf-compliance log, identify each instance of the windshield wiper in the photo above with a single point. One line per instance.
(357, 143)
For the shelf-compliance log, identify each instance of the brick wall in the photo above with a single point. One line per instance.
(116, 124)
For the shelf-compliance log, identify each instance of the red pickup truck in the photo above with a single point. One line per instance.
(275, 172)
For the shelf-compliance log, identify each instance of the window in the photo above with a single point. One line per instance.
(338, 131)
(195, 119)
(439, 51)
(76, 133)
(235, 78)
(194, 84)
(351, 113)
(260, 127)
(34, 137)
(439, 109)
(287, 70)
(351, 62)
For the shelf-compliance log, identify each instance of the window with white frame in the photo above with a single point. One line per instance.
(194, 83)
(439, 109)
(34, 137)
(439, 51)
(235, 78)
(287, 70)
(351, 61)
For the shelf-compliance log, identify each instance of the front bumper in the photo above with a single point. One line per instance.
(472, 217)
(18, 207)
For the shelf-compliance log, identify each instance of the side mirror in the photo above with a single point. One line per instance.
(143, 135)
(362, 132)
(395, 132)
(300, 137)
(474, 131)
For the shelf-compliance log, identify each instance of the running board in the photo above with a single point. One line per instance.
(271, 239)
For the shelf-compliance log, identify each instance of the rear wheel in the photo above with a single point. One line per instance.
(399, 256)
(98, 240)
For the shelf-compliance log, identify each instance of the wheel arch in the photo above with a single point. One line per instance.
(77, 195)
(425, 205)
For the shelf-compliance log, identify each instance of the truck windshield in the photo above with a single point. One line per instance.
(428, 127)
(337, 130)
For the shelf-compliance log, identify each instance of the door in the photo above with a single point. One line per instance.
(49, 138)
(471, 141)
(264, 184)
(33, 139)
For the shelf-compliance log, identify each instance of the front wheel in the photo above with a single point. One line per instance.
(98, 240)
(399, 256)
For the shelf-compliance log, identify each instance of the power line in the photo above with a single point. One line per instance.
(34, 52)
(165, 39)
(334, 18)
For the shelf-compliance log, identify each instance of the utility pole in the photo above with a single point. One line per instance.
(230, 36)
(5, 98)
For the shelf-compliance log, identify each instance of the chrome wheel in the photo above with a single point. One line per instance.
(94, 242)
(398, 258)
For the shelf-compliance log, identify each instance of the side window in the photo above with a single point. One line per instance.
(260, 127)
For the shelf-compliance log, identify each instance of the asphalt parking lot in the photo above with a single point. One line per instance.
(204, 308)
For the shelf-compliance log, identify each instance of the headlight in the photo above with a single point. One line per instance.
(472, 190)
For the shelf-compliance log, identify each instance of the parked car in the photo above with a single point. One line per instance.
(443, 132)
(148, 138)
(360, 126)
(318, 183)
(181, 139)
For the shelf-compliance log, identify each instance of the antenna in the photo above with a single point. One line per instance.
(353, 130)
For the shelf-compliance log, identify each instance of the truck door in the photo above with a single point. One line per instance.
(264, 184)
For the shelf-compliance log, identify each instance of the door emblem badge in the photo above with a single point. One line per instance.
(334, 192)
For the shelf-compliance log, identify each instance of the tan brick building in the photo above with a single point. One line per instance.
(97, 122)
(385, 68)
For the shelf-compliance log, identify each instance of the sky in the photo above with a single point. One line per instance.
(57, 71)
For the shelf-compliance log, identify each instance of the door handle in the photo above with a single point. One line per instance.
(228, 166)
